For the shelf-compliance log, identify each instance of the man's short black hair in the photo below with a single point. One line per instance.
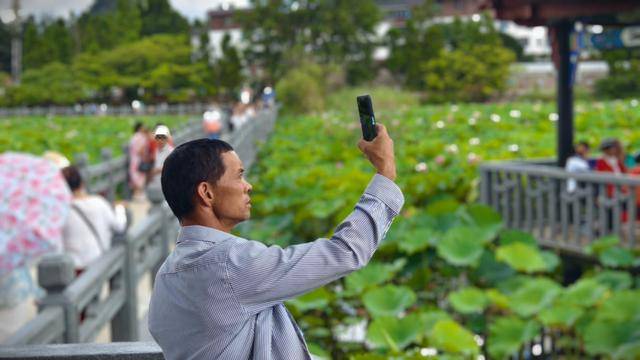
(73, 177)
(583, 143)
(137, 126)
(187, 166)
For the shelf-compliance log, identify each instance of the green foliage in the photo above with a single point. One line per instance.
(522, 257)
(324, 31)
(468, 301)
(158, 17)
(485, 295)
(476, 73)
(393, 333)
(451, 337)
(623, 79)
(413, 44)
(228, 69)
(389, 300)
(76, 134)
(302, 89)
(508, 334)
(460, 247)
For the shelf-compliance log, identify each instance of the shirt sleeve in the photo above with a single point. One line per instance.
(262, 276)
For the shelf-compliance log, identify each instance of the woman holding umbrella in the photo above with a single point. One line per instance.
(34, 204)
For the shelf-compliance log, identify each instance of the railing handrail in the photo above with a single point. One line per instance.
(556, 172)
(120, 351)
(564, 210)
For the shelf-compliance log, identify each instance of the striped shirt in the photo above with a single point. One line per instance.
(218, 296)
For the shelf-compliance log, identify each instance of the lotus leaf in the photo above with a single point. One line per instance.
(389, 300)
(616, 257)
(510, 236)
(533, 296)
(373, 274)
(615, 280)
(521, 257)
(607, 337)
(621, 306)
(449, 336)
(469, 300)
(601, 244)
(560, 314)
(508, 334)
(430, 318)
(417, 240)
(585, 292)
(491, 271)
(393, 333)
(498, 299)
(461, 247)
(317, 299)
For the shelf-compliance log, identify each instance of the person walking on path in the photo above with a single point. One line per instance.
(139, 164)
(91, 223)
(219, 296)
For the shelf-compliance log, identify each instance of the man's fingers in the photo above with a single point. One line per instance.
(362, 145)
(381, 129)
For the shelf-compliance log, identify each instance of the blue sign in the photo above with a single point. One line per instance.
(615, 38)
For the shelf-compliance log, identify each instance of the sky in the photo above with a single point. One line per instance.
(192, 9)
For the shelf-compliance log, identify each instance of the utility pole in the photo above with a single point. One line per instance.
(16, 44)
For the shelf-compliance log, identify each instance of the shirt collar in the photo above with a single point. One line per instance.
(201, 233)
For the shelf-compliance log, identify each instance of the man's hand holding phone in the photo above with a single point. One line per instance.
(379, 151)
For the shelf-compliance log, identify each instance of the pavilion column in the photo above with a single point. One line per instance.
(564, 91)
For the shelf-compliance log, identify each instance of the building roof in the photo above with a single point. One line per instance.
(545, 12)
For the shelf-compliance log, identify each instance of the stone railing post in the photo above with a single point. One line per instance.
(126, 188)
(106, 155)
(55, 272)
(124, 325)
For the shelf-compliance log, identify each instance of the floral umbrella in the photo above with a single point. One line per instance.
(34, 203)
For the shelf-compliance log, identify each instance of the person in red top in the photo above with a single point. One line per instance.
(612, 161)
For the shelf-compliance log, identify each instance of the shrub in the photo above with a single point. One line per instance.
(304, 88)
(474, 74)
(621, 85)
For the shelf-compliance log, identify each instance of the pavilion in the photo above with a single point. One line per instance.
(560, 16)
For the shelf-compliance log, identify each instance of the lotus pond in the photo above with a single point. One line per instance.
(449, 281)
(70, 135)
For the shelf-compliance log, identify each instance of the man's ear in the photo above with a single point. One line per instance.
(204, 193)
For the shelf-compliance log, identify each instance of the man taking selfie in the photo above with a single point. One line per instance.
(219, 296)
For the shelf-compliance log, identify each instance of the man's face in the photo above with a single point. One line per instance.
(161, 140)
(231, 193)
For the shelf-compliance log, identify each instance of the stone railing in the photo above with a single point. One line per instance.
(535, 197)
(75, 309)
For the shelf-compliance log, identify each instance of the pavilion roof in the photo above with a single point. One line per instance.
(546, 12)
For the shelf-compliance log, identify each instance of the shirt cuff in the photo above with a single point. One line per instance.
(386, 191)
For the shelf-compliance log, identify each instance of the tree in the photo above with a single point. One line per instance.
(5, 48)
(228, 68)
(472, 73)
(418, 41)
(108, 24)
(158, 17)
(329, 31)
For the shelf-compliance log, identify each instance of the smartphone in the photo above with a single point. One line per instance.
(367, 119)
